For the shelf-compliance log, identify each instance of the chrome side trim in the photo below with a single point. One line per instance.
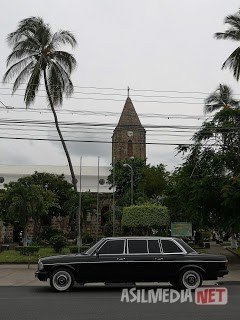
(130, 261)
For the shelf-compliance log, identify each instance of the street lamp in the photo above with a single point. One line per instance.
(131, 168)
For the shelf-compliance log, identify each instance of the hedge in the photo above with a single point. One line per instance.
(27, 251)
(146, 215)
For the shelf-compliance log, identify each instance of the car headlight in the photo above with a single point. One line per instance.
(40, 265)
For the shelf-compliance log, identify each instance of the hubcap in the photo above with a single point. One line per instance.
(62, 280)
(191, 280)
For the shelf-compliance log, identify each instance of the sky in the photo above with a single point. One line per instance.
(166, 46)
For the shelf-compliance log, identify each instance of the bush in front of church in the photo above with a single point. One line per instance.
(145, 219)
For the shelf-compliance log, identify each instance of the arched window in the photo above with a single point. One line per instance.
(130, 149)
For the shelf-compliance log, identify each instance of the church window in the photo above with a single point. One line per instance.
(130, 148)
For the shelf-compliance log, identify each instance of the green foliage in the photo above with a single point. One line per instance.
(47, 233)
(202, 190)
(233, 34)
(147, 181)
(57, 185)
(58, 242)
(22, 202)
(154, 180)
(149, 215)
(87, 238)
(27, 250)
(37, 54)
(74, 249)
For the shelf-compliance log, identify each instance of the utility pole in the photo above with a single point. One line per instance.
(97, 199)
(79, 236)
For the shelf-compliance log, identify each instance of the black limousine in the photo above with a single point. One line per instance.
(133, 259)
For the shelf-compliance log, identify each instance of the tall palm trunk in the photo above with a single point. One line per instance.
(60, 133)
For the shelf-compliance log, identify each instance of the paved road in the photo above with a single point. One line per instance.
(40, 303)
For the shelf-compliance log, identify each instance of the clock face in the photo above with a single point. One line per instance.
(130, 133)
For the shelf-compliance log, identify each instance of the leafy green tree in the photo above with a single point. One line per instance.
(35, 54)
(231, 202)
(56, 184)
(154, 180)
(232, 33)
(222, 97)
(143, 218)
(148, 181)
(21, 202)
(195, 190)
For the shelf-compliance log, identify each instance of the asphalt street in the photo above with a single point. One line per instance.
(40, 303)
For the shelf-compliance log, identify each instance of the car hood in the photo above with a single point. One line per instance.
(64, 258)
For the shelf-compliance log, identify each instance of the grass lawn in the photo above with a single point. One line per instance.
(12, 256)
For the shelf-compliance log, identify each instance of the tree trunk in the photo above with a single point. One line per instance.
(24, 238)
(74, 182)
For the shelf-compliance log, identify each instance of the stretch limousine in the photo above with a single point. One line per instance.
(133, 259)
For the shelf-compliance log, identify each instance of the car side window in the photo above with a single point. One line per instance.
(169, 246)
(137, 246)
(153, 246)
(112, 247)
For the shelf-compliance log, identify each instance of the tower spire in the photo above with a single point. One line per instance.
(128, 89)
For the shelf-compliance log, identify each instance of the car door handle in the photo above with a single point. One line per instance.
(121, 259)
(158, 259)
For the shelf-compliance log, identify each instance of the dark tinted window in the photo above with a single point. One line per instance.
(170, 247)
(137, 246)
(185, 246)
(153, 246)
(112, 247)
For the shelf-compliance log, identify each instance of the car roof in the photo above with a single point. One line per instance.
(140, 238)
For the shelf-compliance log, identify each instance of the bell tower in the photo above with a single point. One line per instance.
(129, 136)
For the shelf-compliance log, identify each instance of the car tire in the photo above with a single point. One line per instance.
(62, 280)
(190, 279)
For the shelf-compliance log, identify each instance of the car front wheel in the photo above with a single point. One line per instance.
(62, 280)
(190, 279)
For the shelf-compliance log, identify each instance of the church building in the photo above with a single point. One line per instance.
(129, 136)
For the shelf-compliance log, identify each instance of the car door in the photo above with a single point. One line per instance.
(172, 257)
(141, 262)
(111, 261)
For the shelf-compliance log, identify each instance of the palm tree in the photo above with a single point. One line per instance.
(36, 54)
(222, 97)
(232, 33)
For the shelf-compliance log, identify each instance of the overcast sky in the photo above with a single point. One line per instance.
(164, 45)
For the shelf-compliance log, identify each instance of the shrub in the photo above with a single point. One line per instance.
(74, 249)
(87, 238)
(27, 251)
(49, 232)
(145, 217)
(58, 242)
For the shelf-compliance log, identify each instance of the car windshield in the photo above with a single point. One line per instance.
(93, 248)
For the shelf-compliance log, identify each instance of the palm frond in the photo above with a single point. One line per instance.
(230, 34)
(65, 59)
(233, 20)
(26, 27)
(233, 63)
(63, 37)
(68, 86)
(221, 97)
(16, 68)
(19, 54)
(56, 84)
(23, 75)
(33, 84)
